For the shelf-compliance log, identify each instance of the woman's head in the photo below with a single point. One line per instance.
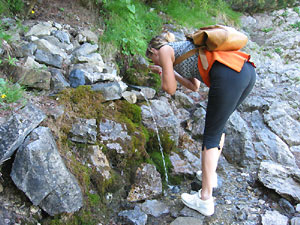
(159, 41)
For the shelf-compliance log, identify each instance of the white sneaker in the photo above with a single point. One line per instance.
(194, 201)
(215, 181)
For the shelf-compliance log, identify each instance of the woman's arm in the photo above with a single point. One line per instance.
(192, 83)
(166, 58)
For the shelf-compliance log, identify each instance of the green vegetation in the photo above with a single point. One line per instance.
(296, 25)
(278, 50)
(266, 30)
(197, 13)
(9, 92)
(130, 24)
(11, 6)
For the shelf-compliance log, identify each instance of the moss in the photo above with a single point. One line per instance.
(167, 144)
(94, 199)
(131, 111)
(82, 101)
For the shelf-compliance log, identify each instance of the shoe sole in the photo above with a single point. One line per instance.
(195, 208)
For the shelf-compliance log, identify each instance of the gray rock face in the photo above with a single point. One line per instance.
(148, 184)
(39, 171)
(154, 208)
(164, 118)
(17, 127)
(284, 180)
(110, 91)
(48, 58)
(84, 131)
(274, 218)
(135, 217)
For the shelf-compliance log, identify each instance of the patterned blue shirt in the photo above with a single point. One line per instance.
(189, 67)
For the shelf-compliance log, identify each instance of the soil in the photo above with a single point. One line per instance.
(70, 12)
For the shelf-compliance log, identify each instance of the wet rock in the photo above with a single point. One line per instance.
(18, 126)
(39, 171)
(164, 118)
(129, 97)
(154, 208)
(147, 184)
(134, 217)
(275, 218)
(84, 131)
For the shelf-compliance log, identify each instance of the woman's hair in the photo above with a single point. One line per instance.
(159, 41)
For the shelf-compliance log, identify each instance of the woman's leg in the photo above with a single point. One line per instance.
(210, 158)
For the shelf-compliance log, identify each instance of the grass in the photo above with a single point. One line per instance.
(130, 24)
(11, 6)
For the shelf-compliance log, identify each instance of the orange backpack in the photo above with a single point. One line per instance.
(214, 38)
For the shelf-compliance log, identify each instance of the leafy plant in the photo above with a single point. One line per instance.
(278, 50)
(197, 13)
(129, 25)
(296, 25)
(11, 6)
(266, 30)
(10, 92)
(297, 10)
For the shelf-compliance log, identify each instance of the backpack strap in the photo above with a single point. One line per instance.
(188, 54)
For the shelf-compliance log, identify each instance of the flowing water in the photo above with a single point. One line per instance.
(159, 142)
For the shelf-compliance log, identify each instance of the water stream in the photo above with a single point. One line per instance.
(159, 142)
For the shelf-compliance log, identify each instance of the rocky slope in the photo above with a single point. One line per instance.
(81, 154)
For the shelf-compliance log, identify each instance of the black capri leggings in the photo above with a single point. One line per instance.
(227, 91)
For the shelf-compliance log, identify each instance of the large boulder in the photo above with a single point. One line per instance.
(39, 171)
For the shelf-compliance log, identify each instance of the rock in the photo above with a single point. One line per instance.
(85, 49)
(147, 184)
(284, 180)
(182, 100)
(129, 96)
(161, 116)
(154, 208)
(295, 221)
(14, 131)
(110, 91)
(100, 161)
(187, 220)
(62, 36)
(58, 81)
(286, 206)
(282, 124)
(274, 218)
(31, 77)
(48, 58)
(39, 171)
(52, 49)
(76, 78)
(112, 131)
(84, 131)
(41, 29)
(134, 217)
(90, 36)
(180, 166)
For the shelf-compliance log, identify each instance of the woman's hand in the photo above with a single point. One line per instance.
(155, 69)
